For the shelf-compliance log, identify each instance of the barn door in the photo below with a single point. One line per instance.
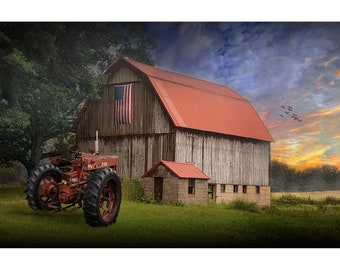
(212, 192)
(158, 188)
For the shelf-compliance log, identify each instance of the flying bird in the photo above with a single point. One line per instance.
(296, 118)
(287, 110)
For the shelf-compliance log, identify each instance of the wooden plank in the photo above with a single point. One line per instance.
(226, 160)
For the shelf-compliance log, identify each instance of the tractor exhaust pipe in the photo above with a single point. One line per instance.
(96, 144)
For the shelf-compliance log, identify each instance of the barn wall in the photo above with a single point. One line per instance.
(136, 154)
(139, 145)
(170, 189)
(262, 198)
(201, 191)
(149, 116)
(176, 189)
(225, 159)
(148, 184)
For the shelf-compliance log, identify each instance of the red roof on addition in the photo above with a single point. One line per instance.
(202, 105)
(179, 169)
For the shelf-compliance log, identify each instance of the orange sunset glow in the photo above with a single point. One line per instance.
(313, 142)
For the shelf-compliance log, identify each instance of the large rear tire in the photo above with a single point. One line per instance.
(42, 187)
(102, 198)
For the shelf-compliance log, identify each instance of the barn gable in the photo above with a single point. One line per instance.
(201, 105)
(149, 115)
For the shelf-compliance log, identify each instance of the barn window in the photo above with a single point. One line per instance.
(191, 186)
(235, 188)
(244, 189)
(222, 188)
(257, 189)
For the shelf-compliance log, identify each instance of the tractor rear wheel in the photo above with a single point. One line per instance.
(102, 198)
(42, 187)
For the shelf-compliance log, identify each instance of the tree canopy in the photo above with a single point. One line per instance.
(48, 69)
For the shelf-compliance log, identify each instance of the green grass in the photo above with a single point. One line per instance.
(166, 225)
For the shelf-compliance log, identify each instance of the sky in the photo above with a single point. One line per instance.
(281, 61)
(272, 64)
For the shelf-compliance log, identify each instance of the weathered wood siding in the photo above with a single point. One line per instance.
(149, 116)
(136, 154)
(139, 145)
(225, 159)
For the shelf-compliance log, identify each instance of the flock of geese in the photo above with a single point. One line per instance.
(288, 111)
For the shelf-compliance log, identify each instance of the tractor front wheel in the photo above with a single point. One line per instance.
(102, 198)
(42, 188)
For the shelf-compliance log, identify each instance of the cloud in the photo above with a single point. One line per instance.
(271, 64)
(314, 141)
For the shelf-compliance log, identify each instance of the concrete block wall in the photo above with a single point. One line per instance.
(175, 189)
(262, 198)
(148, 183)
(170, 189)
(201, 191)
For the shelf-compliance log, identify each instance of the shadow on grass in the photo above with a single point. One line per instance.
(165, 226)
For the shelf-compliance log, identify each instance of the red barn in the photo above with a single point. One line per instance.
(150, 117)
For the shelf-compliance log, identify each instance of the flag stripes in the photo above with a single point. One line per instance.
(123, 104)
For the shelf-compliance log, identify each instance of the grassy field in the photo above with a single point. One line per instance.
(152, 225)
(316, 195)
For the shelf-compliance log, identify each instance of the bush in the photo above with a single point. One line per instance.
(148, 200)
(174, 203)
(293, 200)
(14, 174)
(132, 190)
(331, 200)
(243, 205)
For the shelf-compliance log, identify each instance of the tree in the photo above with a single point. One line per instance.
(48, 69)
(284, 178)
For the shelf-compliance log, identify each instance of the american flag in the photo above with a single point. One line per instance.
(123, 104)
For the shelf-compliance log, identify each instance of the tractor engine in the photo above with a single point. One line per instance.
(70, 188)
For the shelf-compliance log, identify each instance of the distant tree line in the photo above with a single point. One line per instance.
(286, 179)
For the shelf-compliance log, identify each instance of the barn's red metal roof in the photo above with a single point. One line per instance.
(179, 169)
(202, 105)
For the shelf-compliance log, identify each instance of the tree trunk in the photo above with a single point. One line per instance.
(36, 152)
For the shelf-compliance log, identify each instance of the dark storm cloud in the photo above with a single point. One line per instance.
(259, 60)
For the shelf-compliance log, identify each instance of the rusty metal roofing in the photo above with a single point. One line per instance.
(202, 105)
(179, 169)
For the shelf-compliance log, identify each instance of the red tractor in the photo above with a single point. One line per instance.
(89, 181)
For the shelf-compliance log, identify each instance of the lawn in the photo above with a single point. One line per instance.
(153, 225)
